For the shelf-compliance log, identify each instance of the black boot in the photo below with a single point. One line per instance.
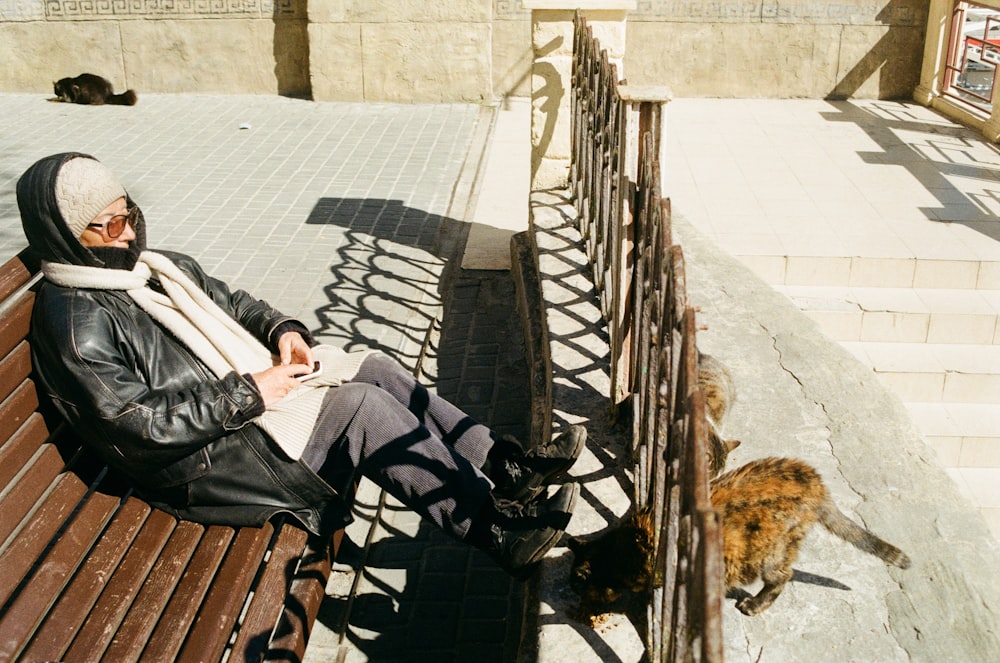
(517, 536)
(521, 476)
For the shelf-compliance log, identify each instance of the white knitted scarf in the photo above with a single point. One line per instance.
(218, 340)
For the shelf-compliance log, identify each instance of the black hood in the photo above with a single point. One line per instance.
(49, 237)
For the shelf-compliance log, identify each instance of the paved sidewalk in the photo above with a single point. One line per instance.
(352, 217)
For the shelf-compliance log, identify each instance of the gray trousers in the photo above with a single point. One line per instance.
(424, 451)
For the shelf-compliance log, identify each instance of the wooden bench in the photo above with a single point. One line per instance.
(88, 571)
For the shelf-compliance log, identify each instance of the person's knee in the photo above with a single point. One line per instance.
(368, 400)
(380, 368)
(355, 396)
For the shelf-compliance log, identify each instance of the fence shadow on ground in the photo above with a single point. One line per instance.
(395, 286)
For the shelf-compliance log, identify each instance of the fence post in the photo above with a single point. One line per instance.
(617, 171)
(552, 41)
(644, 120)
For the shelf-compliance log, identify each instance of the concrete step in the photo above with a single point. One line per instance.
(953, 395)
(938, 349)
(966, 437)
(904, 315)
(934, 372)
(882, 272)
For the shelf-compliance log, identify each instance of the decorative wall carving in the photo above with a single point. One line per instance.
(21, 10)
(77, 9)
(864, 12)
(903, 13)
(510, 9)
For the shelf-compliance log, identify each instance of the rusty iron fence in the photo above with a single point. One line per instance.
(638, 272)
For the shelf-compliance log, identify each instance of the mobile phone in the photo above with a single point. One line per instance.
(317, 369)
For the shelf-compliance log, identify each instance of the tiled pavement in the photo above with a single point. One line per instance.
(423, 596)
(353, 218)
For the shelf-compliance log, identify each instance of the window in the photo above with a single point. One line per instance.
(971, 71)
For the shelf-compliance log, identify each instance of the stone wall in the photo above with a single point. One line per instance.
(402, 50)
(778, 48)
(454, 50)
(190, 46)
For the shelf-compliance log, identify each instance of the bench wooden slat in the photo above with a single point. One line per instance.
(45, 584)
(20, 447)
(173, 625)
(23, 496)
(107, 613)
(38, 532)
(301, 606)
(57, 631)
(269, 595)
(224, 602)
(155, 593)
(15, 322)
(14, 368)
(13, 274)
(16, 409)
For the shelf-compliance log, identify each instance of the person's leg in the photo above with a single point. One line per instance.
(362, 430)
(519, 474)
(443, 419)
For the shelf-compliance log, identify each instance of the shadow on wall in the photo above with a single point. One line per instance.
(291, 48)
(547, 98)
(891, 58)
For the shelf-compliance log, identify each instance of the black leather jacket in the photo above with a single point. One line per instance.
(153, 410)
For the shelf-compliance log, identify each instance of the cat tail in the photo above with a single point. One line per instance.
(840, 525)
(126, 98)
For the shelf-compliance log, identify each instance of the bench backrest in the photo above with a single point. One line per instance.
(89, 571)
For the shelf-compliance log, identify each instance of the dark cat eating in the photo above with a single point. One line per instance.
(91, 89)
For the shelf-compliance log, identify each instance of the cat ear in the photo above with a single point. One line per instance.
(731, 444)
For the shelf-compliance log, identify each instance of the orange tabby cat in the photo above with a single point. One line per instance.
(767, 507)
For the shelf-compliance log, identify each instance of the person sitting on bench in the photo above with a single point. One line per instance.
(201, 395)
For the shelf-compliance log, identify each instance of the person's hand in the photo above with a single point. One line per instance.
(293, 348)
(275, 383)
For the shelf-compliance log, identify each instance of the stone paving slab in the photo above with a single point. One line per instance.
(578, 346)
(339, 213)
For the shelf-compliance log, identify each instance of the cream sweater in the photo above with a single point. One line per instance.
(217, 339)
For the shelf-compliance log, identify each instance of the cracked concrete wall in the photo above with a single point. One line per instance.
(801, 395)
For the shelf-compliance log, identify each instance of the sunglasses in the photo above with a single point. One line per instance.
(115, 226)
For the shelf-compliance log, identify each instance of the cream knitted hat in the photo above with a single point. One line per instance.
(84, 188)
